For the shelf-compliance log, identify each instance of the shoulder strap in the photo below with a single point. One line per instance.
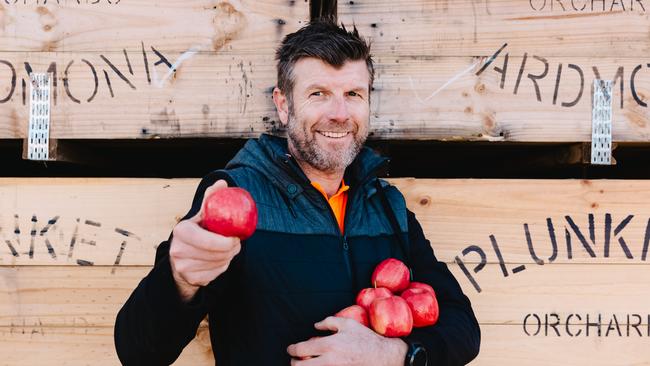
(393, 221)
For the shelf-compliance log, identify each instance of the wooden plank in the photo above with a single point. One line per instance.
(458, 214)
(213, 95)
(501, 345)
(508, 345)
(98, 221)
(208, 94)
(81, 297)
(81, 346)
(451, 98)
(519, 316)
(476, 28)
(573, 294)
(64, 296)
(241, 26)
(416, 27)
(142, 213)
(434, 64)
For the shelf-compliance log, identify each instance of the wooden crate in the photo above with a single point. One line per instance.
(436, 78)
(589, 307)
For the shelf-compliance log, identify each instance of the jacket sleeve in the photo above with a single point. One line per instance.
(154, 325)
(456, 337)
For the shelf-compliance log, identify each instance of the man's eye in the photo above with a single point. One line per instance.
(316, 94)
(353, 94)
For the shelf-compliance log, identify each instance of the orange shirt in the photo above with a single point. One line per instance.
(338, 201)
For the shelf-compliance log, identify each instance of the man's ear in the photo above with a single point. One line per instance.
(281, 105)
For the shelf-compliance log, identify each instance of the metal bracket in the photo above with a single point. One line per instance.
(38, 142)
(601, 123)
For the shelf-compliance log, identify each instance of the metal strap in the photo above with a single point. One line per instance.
(38, 143)
(601, 123)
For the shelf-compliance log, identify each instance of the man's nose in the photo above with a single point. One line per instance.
(339, 110)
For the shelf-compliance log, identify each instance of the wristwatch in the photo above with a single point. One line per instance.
(416, 355)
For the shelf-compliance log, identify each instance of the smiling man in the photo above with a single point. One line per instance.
(325, 221)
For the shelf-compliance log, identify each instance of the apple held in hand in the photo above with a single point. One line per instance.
(392, 274)
(391, 317)
(354, 312)
(423, 305)
(230, 211)
(368, 295)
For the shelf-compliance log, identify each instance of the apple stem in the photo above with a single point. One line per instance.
(411, 273)
(375, 284)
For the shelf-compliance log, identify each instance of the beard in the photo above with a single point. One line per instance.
(307, 149)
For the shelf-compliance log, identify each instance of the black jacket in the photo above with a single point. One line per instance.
(294, 271)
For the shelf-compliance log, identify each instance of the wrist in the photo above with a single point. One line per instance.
(397, 351)
(186, 291)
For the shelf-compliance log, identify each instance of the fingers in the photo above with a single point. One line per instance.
(334, 323)
(197, 277)
(314, 347)
(193, 234)
(216, 186)
(184, 250)
(312, 361)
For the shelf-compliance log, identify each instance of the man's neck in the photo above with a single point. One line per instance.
(330, 182)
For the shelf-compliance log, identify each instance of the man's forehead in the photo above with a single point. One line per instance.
(310, 70)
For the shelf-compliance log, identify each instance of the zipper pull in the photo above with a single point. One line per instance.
(345, 243)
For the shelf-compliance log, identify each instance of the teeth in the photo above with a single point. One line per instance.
(336, 135)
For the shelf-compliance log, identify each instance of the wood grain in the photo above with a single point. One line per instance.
(81, 346)
(418, 98)
(81, 297)
(239, 26)
(477, 28)
(142, 212)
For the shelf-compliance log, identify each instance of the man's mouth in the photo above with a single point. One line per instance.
(335, 135)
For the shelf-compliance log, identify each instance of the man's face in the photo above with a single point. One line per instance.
(329, 117)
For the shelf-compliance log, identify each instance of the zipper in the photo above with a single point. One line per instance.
(344, 239)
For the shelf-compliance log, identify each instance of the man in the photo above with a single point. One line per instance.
(325, 222)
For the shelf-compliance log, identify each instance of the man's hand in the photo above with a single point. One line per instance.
(352, 344)
(199, 256)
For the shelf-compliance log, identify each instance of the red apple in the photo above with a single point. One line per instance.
(354, 312)
(423, 286)
(423, 305)
(230, 211)
(368, 295)
(391, 317)
(392, 274)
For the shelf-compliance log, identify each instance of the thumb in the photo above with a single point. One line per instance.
(220, 184)
(332, 323)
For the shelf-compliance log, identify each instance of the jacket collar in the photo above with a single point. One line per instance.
(270, 155)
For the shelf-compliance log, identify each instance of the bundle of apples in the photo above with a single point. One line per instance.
(387, 313)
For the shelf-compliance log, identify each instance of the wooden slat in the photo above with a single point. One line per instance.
(458, 213)
(477, 28)
(501, 345)
(449, 98)
(142, 213)
(94, 216)
(81, 346)
(508, 345)
(428, 83)
(81, 297)
(242, 26)
(214, 95)
(64, 296)
(582, 290)
(210, 94)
